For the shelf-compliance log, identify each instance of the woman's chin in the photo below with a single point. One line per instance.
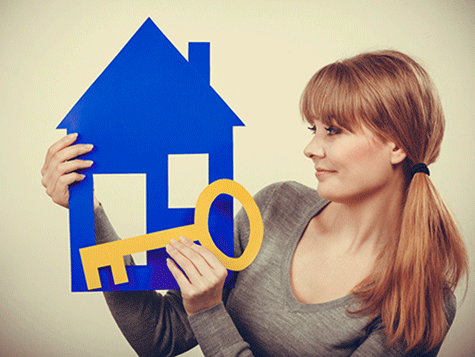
(325, 194)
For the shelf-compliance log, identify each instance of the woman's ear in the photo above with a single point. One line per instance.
(397, 154)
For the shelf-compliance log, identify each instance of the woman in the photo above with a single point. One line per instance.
(365, 267)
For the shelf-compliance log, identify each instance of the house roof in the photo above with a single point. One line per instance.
(151, 98)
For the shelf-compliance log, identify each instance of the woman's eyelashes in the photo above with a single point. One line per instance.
(331, 130)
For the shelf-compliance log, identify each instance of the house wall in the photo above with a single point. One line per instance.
(262, 54)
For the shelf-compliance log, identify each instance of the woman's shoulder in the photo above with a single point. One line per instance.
(450, 305)
(284, 199)
(288, 192)
(288, 200)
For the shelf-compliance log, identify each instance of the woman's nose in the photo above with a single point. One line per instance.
(314, 148)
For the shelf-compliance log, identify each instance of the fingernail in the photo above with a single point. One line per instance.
(89, 146)
(89, 162)
(185, 240)
(173, 241)
(73, 135)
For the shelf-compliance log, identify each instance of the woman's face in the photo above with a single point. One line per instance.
(351, 166)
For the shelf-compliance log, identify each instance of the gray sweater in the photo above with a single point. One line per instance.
(260, 316)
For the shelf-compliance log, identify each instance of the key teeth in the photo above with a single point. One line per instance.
(91, 265)
(91, 272)
(93, 285)
(119, 272)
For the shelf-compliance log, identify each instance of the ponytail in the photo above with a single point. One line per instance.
(428, 260)
(423, 267)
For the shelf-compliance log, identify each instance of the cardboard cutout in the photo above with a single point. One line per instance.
(150, 102)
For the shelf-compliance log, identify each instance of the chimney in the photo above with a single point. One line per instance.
(198, 57)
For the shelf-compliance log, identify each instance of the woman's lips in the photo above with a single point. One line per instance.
(323, 172)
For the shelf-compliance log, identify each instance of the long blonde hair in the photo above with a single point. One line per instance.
(390, 93)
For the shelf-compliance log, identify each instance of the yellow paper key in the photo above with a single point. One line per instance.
(112, 253)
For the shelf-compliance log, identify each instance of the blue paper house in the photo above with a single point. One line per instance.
(150, 102)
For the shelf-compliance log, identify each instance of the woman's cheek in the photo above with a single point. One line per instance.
(358, 153)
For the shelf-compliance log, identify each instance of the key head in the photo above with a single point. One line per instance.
(203, 205)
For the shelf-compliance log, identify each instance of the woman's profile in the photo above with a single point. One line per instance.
(365, 265)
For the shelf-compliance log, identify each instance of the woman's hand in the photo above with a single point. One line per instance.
(59, 168)
(202, 286)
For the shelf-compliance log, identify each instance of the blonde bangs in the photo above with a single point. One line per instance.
(333, 96)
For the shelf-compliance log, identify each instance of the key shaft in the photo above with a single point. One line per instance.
(112, 253)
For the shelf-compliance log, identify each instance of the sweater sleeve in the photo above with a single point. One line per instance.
(214, 329)
(375, 344)
(153, 324)
(217, 335)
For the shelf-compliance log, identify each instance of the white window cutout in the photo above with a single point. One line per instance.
(124, 200)
(187, 178)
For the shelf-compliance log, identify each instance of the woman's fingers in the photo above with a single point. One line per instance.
(190, 261)
(52, 176)
(64, 155)
(60, 194)
(64, 142)
(72, 152)
(180, 278)
(58, 171)
(197, 258)
(203, 278)
(63, 150)
(209, 257)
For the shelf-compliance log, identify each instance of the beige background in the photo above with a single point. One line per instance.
(263, 52)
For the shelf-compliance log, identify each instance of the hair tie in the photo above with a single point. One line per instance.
(421, 167)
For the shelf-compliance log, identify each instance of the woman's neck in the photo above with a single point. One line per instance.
(363, 225)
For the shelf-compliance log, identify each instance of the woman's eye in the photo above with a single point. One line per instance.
(313, 129)
(331, 130)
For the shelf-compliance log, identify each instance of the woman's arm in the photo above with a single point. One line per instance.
(213, 327)
(153, 324)
(375, 346)
(157, 325)
(375, 343)
(201, 286)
